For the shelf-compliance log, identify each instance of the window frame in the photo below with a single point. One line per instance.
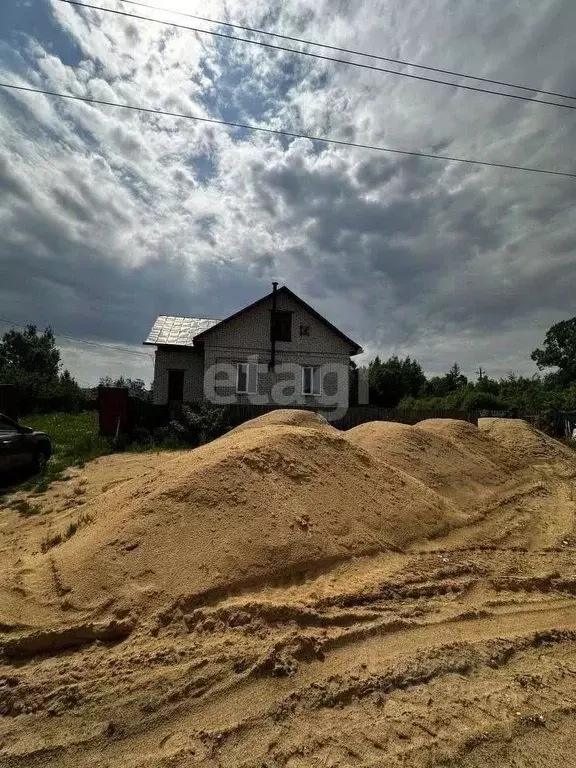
(312, 368)
(246, 391)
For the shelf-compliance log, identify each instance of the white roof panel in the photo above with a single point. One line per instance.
(178, 331)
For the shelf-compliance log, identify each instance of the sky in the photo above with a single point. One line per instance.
(109, 217)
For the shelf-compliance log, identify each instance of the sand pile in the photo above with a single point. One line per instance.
(136, 646)
(288, 417)
(461, 475)
(529, 444)
(242, 510)
(467, 437)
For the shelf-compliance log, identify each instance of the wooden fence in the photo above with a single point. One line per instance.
(121, 414)
(359, 414)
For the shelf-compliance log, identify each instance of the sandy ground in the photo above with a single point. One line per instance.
(292, 596)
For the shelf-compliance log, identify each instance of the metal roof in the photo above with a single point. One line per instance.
(178, 331)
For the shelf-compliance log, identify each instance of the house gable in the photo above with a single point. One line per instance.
(200, 358)
(249, 328)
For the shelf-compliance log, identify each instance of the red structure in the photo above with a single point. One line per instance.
(113, 411)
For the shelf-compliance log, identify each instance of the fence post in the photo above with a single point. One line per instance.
(9, 401)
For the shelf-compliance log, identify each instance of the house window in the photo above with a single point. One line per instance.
(247, 378)
(281, 326)
(304, 330)
(311, 380)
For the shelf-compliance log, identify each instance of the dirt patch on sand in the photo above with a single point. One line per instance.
(289, 596)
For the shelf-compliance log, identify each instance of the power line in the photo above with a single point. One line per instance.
(349, 50)
(320, 56)
(289, 134)
(124, 350)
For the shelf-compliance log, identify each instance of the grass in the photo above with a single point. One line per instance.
(24, 508)
(75, 440)
(74, 436)
(60, 538)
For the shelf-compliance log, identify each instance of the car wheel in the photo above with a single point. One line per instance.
(40, 460)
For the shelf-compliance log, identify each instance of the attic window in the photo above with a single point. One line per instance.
(282, 326)
(304, 330)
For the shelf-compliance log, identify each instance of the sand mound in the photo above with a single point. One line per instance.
(469, 438)
(525, 441)
(242, 510)
(132, 643)
(438, 462)
(288, 417)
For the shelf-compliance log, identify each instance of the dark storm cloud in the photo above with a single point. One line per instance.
(52, 274)
(80, 292)
(108, 218)
(438, 257)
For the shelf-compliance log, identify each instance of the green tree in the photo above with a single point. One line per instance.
(559, 350)
(30, 352)
(135, 387)
(69, 394)
(353, 374)
(30, 360)
(442, 386)
(455, 378)
(486, 384)
(478, 400)
(394, 379)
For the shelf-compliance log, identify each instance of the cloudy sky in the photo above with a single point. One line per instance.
(109, 217)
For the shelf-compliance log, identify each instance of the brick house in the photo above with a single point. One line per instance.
(277, 350)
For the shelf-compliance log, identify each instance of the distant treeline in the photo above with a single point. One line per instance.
(402, 383)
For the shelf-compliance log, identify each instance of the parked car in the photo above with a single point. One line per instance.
(22, 446)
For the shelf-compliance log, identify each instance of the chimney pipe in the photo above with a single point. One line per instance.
(273, 328)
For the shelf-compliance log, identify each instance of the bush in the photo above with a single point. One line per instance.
(200, 426)
(483, 401)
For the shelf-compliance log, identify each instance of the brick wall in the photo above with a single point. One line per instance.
(188, 359)
(334, 383)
